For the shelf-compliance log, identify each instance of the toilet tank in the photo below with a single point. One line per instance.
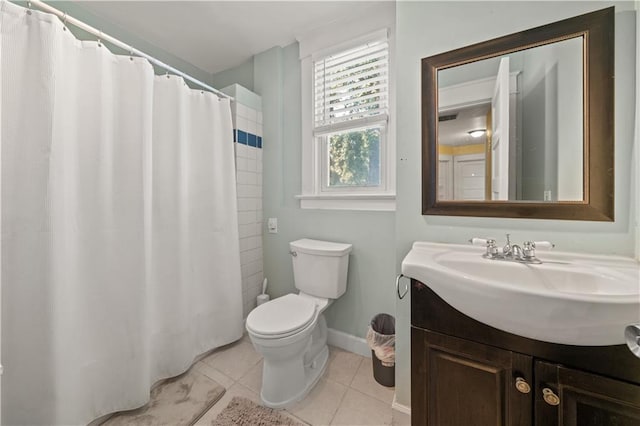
(320, 267)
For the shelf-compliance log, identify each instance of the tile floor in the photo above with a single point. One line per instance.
(346, 395)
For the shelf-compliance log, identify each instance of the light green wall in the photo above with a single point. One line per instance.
(371, 264)
(77, 11)
(242, 75)
(424, 29)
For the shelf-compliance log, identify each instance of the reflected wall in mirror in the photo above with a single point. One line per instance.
(522, 126)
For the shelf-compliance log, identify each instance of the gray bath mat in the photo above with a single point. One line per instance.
(179, 401)
(244, 412)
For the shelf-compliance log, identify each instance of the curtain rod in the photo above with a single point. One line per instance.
(105, 37)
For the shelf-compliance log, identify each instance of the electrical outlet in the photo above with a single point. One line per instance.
(272, 225)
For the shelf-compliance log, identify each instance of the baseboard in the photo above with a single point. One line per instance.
(348, 342)
(399, 407)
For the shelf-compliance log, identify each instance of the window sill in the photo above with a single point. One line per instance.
(371, 202)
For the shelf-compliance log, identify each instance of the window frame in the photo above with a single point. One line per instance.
(315, 192)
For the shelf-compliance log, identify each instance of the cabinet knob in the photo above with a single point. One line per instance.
(550, 397)
(522, 385)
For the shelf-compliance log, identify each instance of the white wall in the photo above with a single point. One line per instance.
(427, 28)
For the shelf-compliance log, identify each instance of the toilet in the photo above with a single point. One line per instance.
(290, 332)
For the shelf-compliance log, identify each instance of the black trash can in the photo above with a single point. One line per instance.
(381, 337)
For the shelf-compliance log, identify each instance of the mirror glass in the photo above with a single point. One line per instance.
(511, 127)
(522, 125)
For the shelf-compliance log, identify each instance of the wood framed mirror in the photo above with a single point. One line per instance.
(522, 126)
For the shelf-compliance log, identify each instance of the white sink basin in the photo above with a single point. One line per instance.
(570, 298)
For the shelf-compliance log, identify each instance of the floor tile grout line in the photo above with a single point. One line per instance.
(360, 360)
(229, 378)
(249, 369)
(368, 394)
(298, 418)
(356, 371)
(339, 404)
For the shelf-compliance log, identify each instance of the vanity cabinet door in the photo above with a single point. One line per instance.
(583, 399)
(456, 382)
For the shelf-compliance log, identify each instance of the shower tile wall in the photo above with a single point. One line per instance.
(247, 124)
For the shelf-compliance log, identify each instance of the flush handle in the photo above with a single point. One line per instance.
(293, 253)
(522, 386)
(550, 397)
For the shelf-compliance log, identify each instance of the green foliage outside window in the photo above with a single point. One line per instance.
(354, 158)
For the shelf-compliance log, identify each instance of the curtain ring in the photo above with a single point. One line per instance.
(28, 8)
(64, 22)
(406, 287)
(100, 39)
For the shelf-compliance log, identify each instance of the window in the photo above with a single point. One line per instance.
(352, 159)
(348, 162)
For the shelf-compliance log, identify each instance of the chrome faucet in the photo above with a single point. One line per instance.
(515, 253)
(507, 250)
(512, 252)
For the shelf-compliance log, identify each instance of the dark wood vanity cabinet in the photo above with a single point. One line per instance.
(585, 399)
(458, 382)
(465, 373)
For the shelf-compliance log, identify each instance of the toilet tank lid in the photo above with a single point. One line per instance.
(320, 248)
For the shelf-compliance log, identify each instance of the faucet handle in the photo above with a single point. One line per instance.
(543, 245)
(490, 244)
(484, 242)
(529, 248)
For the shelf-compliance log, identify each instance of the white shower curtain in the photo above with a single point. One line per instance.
(120, 256)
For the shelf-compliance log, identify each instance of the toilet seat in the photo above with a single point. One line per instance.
(282, 317)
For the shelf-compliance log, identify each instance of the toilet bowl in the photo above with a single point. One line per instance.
(290, 332)
(295, 357)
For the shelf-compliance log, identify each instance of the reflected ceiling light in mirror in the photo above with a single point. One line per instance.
(477, 133)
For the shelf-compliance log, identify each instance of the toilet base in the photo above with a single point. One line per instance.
(288, 376)
(313, 373)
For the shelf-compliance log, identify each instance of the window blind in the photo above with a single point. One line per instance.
(351, 86)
